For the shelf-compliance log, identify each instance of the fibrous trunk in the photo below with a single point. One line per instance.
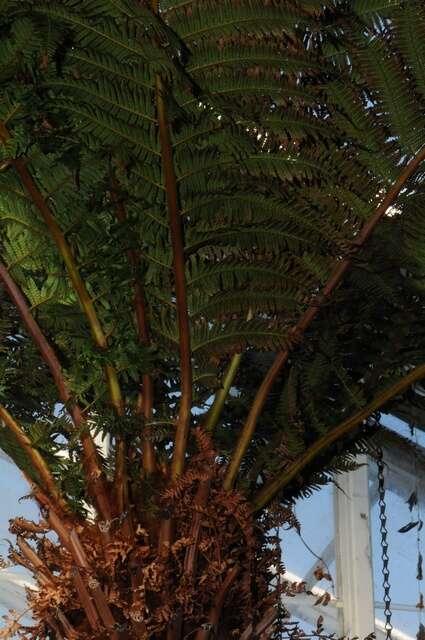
(191, 561)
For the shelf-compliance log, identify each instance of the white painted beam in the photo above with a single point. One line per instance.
(354, 555)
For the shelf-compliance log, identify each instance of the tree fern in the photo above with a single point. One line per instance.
(198, 264)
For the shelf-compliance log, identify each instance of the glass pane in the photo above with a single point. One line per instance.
(397, 425)
(301, 557)
(14, 487)
(405, 623)
(301, 553)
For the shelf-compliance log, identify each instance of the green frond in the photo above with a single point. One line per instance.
(267, 237)
(207, 210)
(104, 129)
(289, 416)
(410, 32)
(89, 64)
(18, 47)
(280, 274)
(360, 125)
(236, 336)
(234, 302)
(368, 8)
(373, 284)
(117, 100)
(241, 60)
(294, 124)
(394, 97)
(127, 42)
(37, 296)
(240, 90)
(17, 211)
(194, 21)
(11, 448)
(284, 166)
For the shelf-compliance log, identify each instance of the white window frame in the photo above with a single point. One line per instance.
(351, 612)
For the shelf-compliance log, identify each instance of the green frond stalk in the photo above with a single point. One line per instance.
(59, 238)
(40, 466)
(272, 488)
(74, 274)
(214, 413)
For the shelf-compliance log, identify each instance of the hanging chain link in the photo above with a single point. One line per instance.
(280, 608)
(419, 566)
(384, 544)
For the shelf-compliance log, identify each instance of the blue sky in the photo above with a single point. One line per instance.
(12, 488)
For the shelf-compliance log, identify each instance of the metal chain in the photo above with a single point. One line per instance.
(384, 545)
(419, 569)
(280, 607)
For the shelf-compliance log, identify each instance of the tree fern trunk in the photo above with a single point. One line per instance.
(202, 586)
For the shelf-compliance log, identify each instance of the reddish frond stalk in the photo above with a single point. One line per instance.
(165, 536)
(262, 626)
(310, 314)
(176, 231)
(61, 527)
(145, 400)
(175, 629)
(35, 332)
(201, 500)
(120, 482)
(55, 627)
(35, 562)
(69, 630)
(98, 595)
(97, 484)
(85, 599)
(92, 464)
(219, 600)
(146, 403)
(121, 479)
(121, 476)
(44, 501)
